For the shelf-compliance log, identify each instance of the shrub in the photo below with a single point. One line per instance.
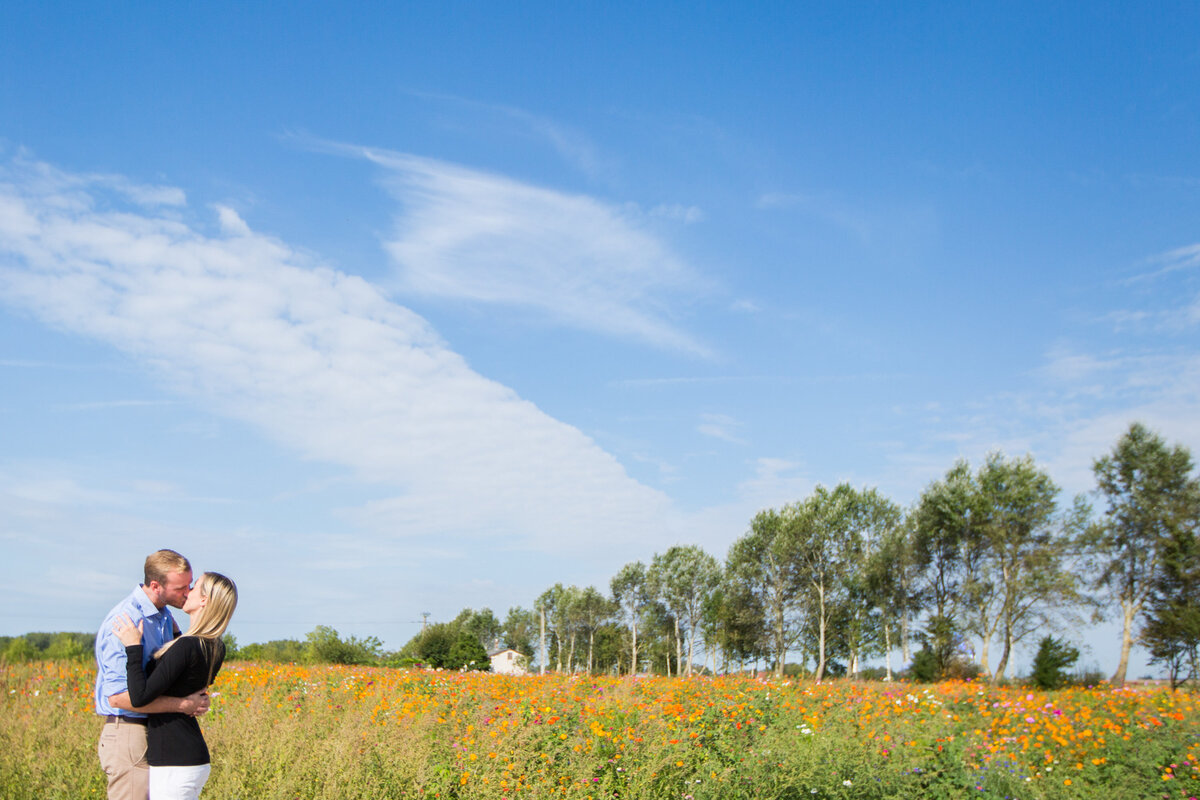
(1089, 677)
(467, 653)
(19, 651)
(1054, 657)
(326, 647)
(924, 667)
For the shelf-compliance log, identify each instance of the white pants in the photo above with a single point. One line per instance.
(178, 783)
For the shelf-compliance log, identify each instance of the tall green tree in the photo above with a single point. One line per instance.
(630, 592)
(874, 521)
(825, 535)
(765, 561)
(1150, 495)
(945, 526)
(554, 605)
(481, 624)
(1026, 545)
(735, 622)
(1172, 628)
(520, 630)
(684, 577)
(592, 610)
(891, 578)
(572, 611)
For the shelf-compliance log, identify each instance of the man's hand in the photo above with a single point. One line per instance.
(196, 704)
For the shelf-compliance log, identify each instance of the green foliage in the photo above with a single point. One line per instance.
(925, 667)
(1172, 629)
(468, 654)
(47, 646)
(630, 593)
(995, 553)
(433, 645)
(520, 630)
(763, 562)
(735, 621)
(277, 651)
(481, 624)
(324, 646)
(1152, 498)
(19, 651)
(685, 577)
(1054, 657)
(231, 647)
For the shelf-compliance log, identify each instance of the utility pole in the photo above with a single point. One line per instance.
(542, 620)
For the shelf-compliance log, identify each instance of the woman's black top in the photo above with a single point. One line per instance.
(174, 740)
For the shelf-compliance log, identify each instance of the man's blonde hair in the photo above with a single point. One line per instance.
(158, 564)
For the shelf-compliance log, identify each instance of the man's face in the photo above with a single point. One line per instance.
(173, 591)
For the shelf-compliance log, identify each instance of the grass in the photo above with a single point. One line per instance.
(355, 732)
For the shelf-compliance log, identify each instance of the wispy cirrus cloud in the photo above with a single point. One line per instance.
(575, 261)
(316, 359)
(720, 426)
(1176, 260)
(572, 145)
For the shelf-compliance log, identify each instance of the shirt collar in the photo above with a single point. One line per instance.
(142, 600)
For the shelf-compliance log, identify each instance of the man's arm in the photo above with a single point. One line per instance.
(194, 705)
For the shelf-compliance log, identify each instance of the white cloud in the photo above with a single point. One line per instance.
(320, 361)
(474, 236)
(679, 213)
(107, 404)
(828, 210)
(231, 222)
(720, 426)
(58, 491)
(776, 482)
(571, 145)
(1181, 258)
(1067, 366)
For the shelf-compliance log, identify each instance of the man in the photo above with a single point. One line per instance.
(168, 578)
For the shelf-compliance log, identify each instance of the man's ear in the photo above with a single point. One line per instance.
(154, 590)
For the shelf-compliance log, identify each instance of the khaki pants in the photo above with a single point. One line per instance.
(123, 757)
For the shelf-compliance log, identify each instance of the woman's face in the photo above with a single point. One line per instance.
(197, 598)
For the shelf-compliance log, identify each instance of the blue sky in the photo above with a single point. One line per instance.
(385, 311)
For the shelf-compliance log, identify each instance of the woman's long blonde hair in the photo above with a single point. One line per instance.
(212, 620)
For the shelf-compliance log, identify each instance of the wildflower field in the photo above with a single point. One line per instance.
(346, 732)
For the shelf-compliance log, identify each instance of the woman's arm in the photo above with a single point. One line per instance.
(145, 688)
(193, 705)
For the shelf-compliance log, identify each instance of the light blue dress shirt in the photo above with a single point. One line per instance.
(110, 653)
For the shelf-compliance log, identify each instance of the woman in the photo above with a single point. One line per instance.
(176, 752)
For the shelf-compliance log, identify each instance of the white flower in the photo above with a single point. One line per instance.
(847, 783)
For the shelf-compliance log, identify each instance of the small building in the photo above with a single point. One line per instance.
(506, 661)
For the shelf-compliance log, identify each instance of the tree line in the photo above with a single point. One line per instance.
(984, 556)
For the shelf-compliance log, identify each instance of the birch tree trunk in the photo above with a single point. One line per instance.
(1129, 611)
